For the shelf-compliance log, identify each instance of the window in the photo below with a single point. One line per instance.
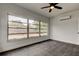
(17, 27)
(33, 28)
(43, 28)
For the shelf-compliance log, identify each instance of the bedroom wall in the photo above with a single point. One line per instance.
(67, 30)
(13, 9)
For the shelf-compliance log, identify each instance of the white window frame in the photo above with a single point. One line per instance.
(27, 28)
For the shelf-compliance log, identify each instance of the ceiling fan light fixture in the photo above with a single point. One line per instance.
(51, 7)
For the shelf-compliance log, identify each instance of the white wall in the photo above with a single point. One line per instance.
(13, 9)
(66, 30)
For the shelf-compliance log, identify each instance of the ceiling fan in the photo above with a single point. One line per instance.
(51, 6)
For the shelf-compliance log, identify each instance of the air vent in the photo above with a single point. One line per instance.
(65, 18)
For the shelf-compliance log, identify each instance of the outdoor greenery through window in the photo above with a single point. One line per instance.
(19, 28)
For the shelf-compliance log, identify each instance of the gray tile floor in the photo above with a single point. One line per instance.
(48, 48)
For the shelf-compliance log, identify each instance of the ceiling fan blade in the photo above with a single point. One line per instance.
(50, 10)
(53, 4)
(45, 7)
(58, 7)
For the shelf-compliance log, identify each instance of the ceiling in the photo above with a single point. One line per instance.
(36, 7)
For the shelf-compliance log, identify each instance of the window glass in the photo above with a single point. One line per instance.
(33, 28)
(43, 28)
(17, 27)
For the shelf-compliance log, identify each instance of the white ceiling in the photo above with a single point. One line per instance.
(36, 7)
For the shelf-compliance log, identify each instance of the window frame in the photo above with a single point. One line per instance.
(27, 28)
(34, 28)
(8, 28)
(43, 29)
